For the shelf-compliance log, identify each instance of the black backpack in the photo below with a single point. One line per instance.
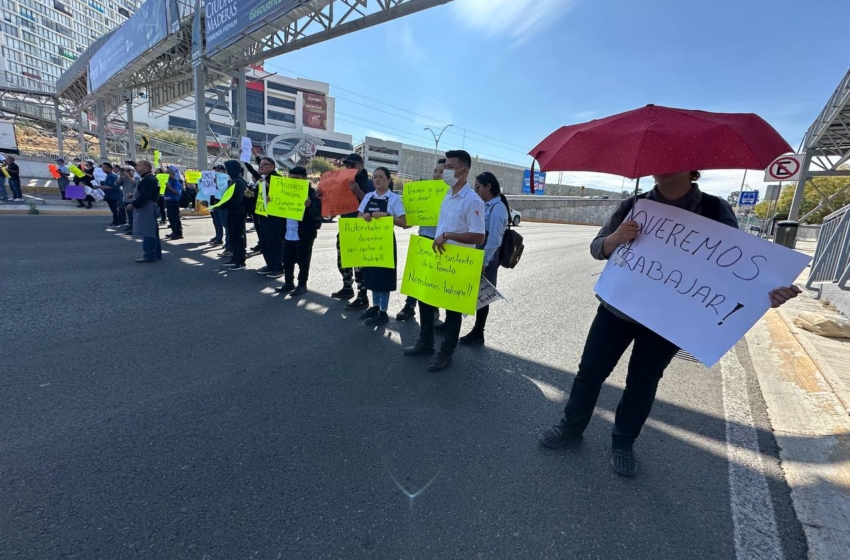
(512, 247)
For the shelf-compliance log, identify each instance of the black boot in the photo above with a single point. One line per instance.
(475, 336)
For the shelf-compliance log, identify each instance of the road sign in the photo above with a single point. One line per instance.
(144, 143)
(772, 192)
(748, 198)
(785, 168)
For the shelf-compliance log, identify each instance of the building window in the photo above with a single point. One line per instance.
(336, 144)
(284, 117)
(281, 87)
(278, 102)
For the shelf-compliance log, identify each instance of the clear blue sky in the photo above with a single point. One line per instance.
(512, 71)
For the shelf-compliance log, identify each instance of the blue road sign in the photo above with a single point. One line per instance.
(748, 198)
(539, 182)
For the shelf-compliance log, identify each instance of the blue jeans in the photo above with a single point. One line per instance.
(152, 248)
(3, 187)
(381, 300)
(220, 223)
(15, 185)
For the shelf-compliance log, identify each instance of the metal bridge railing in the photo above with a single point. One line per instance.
(832, 255)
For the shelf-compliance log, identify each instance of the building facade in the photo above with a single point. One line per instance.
(277, 106)
(417, 163)
(42, 38)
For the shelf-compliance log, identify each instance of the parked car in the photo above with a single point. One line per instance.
(516, 217)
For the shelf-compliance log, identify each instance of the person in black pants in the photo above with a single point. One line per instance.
(236, 215)
(173, 192)
(269, 228)
(14, 178)
(463, 210)
(112, 192)
(298, 240)
(612, 331)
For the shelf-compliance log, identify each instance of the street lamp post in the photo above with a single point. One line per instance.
(438, 136)
(404, 168)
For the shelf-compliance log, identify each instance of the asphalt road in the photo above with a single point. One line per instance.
(179, 411)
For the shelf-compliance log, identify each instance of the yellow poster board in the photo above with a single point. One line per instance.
(5, 172)
(363, 243)
(447, 281)
(260, 208)
(157, 155)
(225, 197)
(422, 201)
(192, 176)
(163, 182)
(76, 170)
(287, 196)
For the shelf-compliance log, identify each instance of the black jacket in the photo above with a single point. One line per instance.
(236, 202)
(148, 191)
(308, 227)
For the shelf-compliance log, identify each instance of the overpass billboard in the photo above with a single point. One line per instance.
(146, 29)
(228, 20)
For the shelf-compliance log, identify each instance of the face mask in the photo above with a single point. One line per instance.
(449, 177)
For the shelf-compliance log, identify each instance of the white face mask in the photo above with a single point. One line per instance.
(449, 177)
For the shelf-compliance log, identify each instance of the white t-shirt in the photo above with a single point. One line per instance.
(461, 213)
(395, 205)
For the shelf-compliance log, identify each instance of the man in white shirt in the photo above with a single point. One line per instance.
(461, 222)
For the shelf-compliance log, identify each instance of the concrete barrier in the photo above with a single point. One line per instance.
(563, 209)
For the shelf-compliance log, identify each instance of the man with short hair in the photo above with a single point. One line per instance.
(270, 228)
(144, 206)
(461, 222)
(298, 240)
(361, 185)
(14, 178)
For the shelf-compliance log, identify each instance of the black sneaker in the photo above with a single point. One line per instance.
(360, 303)
(175, 237)
(255, 249)
(285, 289)
(226, 254)
(558, 436)
(264, 270)
(419, 349)
(274, 274)
(440, 362)
(347, 292)
(623, 461)
(406, 313)
(380, 319)
(369, 313)
(240, 266)
(215, 242)
(299, 291)
(473, 338)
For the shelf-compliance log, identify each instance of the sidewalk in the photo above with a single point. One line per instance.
(805, 381)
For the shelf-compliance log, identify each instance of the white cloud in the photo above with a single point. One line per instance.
(410, 49)
(518, 20)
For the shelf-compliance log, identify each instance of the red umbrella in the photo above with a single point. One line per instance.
(655, 140)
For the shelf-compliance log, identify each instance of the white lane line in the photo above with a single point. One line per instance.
(756, 537)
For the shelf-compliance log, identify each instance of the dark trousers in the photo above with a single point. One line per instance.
(15, 185)
(172, 210)
(113, 207)
(608, 339)
(349, 275)
(427, 314)
(491, 273)
(152, 245)
(161, 203)
(129, 216)
(270, 231)
(122, 213)
(300, 253)
(236, 235)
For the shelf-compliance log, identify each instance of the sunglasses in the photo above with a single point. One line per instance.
(349, 164)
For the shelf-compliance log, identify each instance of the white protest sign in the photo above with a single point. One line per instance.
(207, 184)
(698, 283)
(245, 154)
(487, 294)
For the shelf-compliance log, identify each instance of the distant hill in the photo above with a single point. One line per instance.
(572, 190)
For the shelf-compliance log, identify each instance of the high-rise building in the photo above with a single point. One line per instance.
(42, 38)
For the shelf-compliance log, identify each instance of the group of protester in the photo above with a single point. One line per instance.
(471, 215)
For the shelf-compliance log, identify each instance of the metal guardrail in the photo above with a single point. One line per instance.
(832, 255)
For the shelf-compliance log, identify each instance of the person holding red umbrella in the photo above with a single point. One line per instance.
(646, 138)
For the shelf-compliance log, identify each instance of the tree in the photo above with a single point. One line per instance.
(811, 199)
(733, 198)
(320, 165)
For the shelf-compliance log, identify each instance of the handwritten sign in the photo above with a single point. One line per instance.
(163, 182)
(76, 171)
(262, 199)
(207, 185)
(54, 171)
(337, 198)
(287, 196)
(157, 155)
(696, 282)
(224, 197)
(363, 243)
(450, 280)
(245, 149)
(422, 201)
(222, 181)
(487, 293)
(193, 177)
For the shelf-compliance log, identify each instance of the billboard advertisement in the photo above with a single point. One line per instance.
(227, 20)
(143, 31)
(539, 182)
(315, 112)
